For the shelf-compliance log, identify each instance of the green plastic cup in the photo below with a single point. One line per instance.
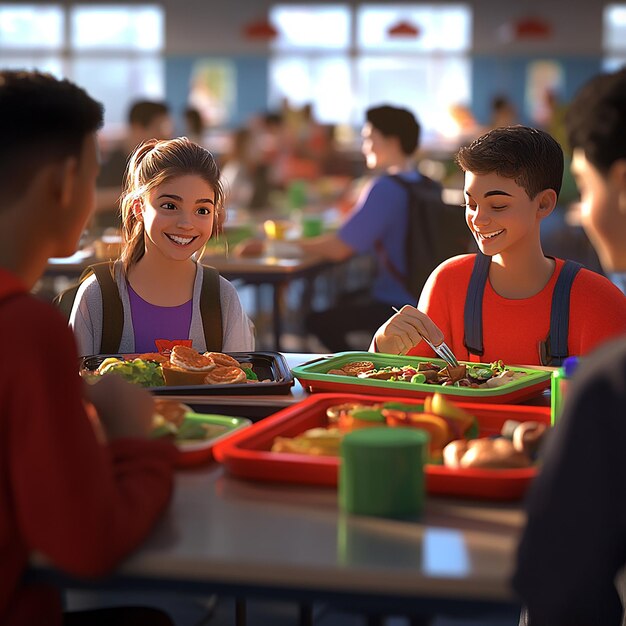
(382, 472)
(312, 225)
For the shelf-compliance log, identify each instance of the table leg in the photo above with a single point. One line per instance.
(276, 315)
(240, 612)
(306, 614)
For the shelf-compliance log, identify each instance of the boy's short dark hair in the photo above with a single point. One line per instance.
(42, 119)
(530, 157)
(596, 120)
(396, 122)
(144, 112)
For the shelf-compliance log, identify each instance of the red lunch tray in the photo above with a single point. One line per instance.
(247, 454)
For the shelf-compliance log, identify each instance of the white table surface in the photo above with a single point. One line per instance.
(243, 533)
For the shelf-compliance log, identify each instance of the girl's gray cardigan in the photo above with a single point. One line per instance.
(86, 317)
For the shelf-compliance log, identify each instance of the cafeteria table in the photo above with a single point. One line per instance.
(252, 539)
(249, 539)
(270, 270)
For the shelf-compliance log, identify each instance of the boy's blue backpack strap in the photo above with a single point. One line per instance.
(559, 313)
(473, 314)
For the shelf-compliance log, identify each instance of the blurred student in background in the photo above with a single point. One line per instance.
(239, 171)
(194, 125)
(146, 120)
(503, 112)
(574, 543)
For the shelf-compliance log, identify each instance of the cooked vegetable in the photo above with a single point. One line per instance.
(145, 373)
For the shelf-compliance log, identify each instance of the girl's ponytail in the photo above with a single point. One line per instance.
(133, 230)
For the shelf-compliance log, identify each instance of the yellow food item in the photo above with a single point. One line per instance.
(316, 442)
(439, 405)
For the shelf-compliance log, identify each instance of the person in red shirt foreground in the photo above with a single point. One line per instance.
(80, 483)
(512, 180)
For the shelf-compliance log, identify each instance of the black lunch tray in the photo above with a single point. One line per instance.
(266, 365)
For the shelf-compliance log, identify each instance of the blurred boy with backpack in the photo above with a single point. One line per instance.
(399, 219)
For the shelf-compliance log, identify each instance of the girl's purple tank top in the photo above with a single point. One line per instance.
(152, 322)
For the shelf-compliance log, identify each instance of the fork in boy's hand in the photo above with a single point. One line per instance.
(442, 350)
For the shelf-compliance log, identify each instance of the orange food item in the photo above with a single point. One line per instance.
(437, 427)
(333, 412)
(177, 377)
(165, 345)
(170, 411)
(190, 359)
(356, 367)
(361, 417)
(157, 357)
(223, 359)
(225, 376)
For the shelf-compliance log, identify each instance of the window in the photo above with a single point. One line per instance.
(343, 60)
(440, 28)
(24, 26)
(614, 36)
(113, 51)
(317, 28)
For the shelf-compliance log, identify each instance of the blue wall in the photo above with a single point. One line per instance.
(493, 76)
(251, 77)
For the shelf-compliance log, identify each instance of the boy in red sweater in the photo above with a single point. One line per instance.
(82, 492)
(512, 180)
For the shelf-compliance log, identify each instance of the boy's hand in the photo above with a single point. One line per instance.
(404, 330)
(124, 409)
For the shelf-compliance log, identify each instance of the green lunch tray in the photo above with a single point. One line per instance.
(314, 377)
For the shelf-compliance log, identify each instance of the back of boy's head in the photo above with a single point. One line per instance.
(153, 163)
(530, 157)
(193, 120)
(596, 120)
(143, 112)
(42, 120)
(396, 122)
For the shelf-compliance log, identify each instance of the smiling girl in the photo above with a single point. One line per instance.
(171, 205)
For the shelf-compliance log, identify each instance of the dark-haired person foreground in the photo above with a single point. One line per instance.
(513, 177)
(376, 226)
(596, 125)
(575, 541)
(574, 544)
(80, 482)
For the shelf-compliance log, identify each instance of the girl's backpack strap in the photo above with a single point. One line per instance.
(112, 308)
(473, 313)
(211, 309)
(559, 314)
